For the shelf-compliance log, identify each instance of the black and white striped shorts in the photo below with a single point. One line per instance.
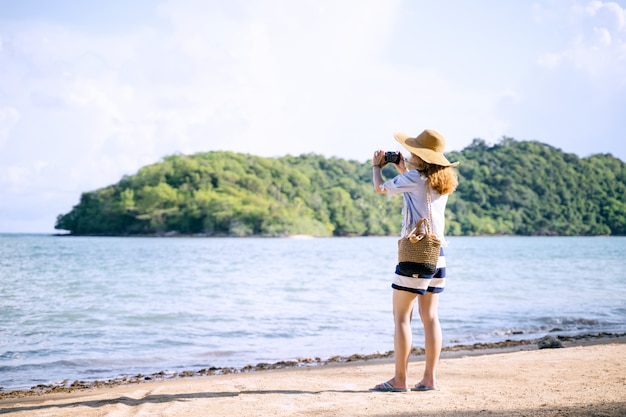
(420, 285)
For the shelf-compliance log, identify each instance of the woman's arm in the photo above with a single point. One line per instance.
(378, 162)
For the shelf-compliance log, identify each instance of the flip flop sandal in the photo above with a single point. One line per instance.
(420, 387)
(387, 387)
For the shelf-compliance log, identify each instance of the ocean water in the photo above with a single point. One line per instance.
(97, 308)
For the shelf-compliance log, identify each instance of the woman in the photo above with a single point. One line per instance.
(427, 164)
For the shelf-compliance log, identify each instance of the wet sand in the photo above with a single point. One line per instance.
(585, 378)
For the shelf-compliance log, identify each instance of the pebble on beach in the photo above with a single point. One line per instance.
(549, 342)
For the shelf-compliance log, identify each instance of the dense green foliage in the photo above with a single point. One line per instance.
(224, 193)
(530, 188)
(526, 188)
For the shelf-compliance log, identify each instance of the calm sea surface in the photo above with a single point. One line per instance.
(92, 308)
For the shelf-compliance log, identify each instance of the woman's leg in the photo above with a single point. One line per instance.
(428, 310)
(403, 302)
(402, 313)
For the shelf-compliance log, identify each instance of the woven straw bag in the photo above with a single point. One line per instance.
(418, 252)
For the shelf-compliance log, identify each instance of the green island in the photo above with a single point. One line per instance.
(509, 188)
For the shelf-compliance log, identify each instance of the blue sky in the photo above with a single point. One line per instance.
(92, 91)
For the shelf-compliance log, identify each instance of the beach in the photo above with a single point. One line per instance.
(584, 378)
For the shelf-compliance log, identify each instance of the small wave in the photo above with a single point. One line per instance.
(566, 326)
(11, 355)
(572, 321)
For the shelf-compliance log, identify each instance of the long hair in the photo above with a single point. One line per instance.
(442, 179)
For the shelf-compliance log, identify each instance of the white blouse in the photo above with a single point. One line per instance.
(412, 185)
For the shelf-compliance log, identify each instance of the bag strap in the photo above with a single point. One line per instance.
(430, 211)
(416, 229)
(429, 223)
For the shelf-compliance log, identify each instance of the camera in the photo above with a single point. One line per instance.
(393, 157)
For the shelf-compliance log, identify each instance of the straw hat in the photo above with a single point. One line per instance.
(428, 145)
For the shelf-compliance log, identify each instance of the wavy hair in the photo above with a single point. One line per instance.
(443, 179)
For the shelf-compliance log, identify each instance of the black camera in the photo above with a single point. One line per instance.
(393, 157)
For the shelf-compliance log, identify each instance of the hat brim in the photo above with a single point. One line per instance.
(427, 154)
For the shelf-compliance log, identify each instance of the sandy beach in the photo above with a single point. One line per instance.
(585, 378)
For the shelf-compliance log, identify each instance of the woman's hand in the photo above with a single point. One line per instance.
(378, 160)
(402, 164)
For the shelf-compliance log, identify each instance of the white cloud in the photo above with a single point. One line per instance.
(603, 36)
(610, 13)
(8, 118)
(574, 98)
(599, 46)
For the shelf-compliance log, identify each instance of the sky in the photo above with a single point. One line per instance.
(92, 91)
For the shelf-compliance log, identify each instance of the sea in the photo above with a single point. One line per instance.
(100, 308)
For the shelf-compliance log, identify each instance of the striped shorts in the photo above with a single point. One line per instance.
(420, 285)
